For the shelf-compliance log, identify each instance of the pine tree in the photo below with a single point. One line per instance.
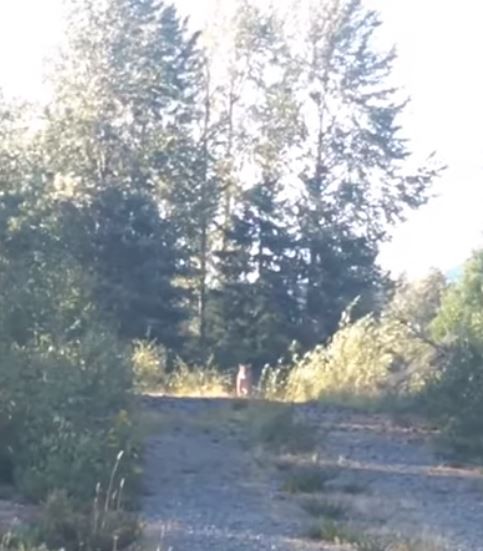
(257, 295)
(130, 249)
(258, 307)
(122, 134)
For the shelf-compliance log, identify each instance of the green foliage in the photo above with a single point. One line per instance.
(371, 360)
(120, 237)
(455, 396)
(76, 420)
(329, 531)
(257, 321)
(151, 374)
(119, 136)
(67, 411)
(218, 213)
(354, 365)
(344, 214)
(65, 378)
(461, 316)
(289, 268)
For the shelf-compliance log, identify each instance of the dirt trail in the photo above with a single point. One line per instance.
(206, 491)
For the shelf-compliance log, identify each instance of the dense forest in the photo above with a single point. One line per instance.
(222, 196)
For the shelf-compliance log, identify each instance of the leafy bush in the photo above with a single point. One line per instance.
(273, 380)
(65, 382)
(454, 394)
(354, 364)
(324, 508)
(371, 359)
(75, 418)
(151, 374)
(454, 398)
(59, 525)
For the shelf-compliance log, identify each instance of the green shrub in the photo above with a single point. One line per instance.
(65, 384)
(454, 398)
(59, 524)
(354, 364)
(334, 532)
(76, 417)
(454, 394)
(98, 528)
(377, 359)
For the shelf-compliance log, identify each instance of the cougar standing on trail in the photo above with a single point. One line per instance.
(244, 380)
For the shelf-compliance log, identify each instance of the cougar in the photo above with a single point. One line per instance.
(244, 380)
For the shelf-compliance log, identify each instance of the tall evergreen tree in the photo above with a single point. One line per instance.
(258, 307)
(258, 288)
(122, 133)
(129, 248)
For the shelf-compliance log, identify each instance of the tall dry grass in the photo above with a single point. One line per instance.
(354, 364)
(152, 375)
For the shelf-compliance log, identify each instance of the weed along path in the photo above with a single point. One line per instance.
(225, 475)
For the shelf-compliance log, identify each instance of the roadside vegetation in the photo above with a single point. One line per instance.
(422, 354)
(157, 229)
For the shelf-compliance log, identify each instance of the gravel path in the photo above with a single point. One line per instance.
(206, 491)
(407, 488)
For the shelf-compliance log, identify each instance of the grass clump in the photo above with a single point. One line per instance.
(324, 508)
(196, 381)
(151, 375)
(275, 427)
(332, 532)
(149, 365)
(102, 526)
(373, 362)
(353, 365)
(308, 479)
(419, 544)
(11, 541)
(339, 533)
